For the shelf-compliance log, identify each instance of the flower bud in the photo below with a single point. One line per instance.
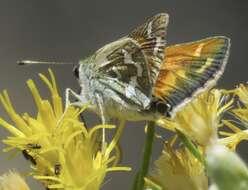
(226, 169)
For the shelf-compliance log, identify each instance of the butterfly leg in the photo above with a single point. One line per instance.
(77, 103)
(102, 113)
(68, 103)
(118, 148)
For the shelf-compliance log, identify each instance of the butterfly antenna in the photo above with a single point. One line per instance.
(29, 62)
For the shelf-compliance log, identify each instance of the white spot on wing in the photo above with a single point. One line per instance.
(159, 42)
(127, 57)
(116, 70)
(128, 60)
(130, 90)
(102, 62)
(149, 29)
(146, 102)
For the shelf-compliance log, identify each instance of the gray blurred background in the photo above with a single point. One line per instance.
(69, 30)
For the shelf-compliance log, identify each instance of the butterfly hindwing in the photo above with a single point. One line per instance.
(191, 68)
(151, 38)
(125, 67)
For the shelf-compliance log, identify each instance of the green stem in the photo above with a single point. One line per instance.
(139, 178)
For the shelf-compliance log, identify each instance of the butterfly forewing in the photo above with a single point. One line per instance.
(131, 64)
(151, 38)
(191, 68)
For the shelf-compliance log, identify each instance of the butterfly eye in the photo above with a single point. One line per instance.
(76, 71)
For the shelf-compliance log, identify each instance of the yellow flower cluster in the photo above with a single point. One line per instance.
(240, 112)
(174, 171)
(63, 152)
(200, 121)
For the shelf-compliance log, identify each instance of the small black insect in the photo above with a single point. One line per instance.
(57, 169)
(27, 156)
(33, 146)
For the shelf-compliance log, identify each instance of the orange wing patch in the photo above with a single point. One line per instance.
(189, 69)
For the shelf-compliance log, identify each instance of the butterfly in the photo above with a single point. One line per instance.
(138, 78)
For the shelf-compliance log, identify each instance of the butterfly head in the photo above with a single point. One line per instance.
(82, 66)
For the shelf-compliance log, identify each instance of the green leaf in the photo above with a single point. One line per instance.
(189, 144)
(139, 181)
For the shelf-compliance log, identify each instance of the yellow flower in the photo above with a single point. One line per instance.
(226, 169)
(233, 138)
(200, 118)
(235, 134)
(178, 170)
(12, 181)
(242, 92)
(63, 152)
(241, 112)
